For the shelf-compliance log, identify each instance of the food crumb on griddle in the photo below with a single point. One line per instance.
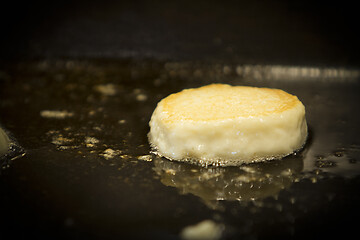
(146, 158)
(106, 89)
(91, 141)
(110, 153)
(206, 229)
(56, 114)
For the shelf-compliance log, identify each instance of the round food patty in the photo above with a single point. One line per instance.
(219, 124)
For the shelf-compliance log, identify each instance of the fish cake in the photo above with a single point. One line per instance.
(225, 125)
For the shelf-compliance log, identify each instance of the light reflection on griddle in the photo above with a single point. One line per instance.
(243, 183)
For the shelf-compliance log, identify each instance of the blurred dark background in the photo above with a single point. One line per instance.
(260, 32)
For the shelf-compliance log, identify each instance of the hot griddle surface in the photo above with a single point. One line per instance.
(88, 173)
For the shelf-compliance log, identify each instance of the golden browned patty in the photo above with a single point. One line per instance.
(221, 124)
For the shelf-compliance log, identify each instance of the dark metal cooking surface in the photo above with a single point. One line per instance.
(88, 171)
(79, 82)
(258, 32)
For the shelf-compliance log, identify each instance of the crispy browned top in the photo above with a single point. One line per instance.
(222, 101)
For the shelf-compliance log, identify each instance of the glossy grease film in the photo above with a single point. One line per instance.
(84, 127)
